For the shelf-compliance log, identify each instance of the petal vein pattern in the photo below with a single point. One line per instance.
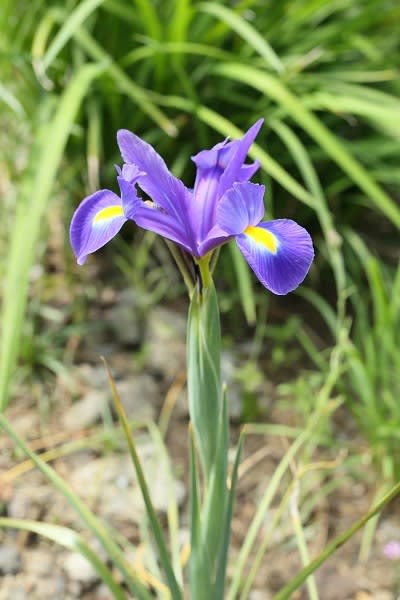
(280, 253)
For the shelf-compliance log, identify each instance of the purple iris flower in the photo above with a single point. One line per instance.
(222, 205)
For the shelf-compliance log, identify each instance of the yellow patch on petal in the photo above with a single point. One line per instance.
(264, 237)
(108, 213)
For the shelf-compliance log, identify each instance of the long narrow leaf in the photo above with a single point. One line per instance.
(337, 543)
(68, 538)
(96, 527)
(223, 555)
(244, 280)
(46, 156)
(254, 39)
(68, 29)
(153, 519)
(275, 89)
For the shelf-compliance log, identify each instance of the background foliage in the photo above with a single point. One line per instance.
(181, 73)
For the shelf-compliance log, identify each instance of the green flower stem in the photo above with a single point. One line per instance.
(203, 367)
(205, 273)
(211, 511)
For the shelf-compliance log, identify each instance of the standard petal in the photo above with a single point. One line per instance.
(156, 180)
(279, 252)
(233, 171)
(241, 206)
(217, 170)
(95, 222)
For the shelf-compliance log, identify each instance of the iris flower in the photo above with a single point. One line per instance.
(223, 205)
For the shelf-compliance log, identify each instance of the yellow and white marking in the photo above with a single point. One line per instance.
(105, 214)
(263, 237)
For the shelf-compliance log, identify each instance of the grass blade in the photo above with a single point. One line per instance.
(275, 89)
(71, 24)
(337, 543)
(94, 525)
(138, 95)
(153, 519)
(254, 39)
(199, 566)
(223, 555)
(244, 280)
(73, 541)
(47, 156)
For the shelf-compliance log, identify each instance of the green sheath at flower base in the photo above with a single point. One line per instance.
(203, 366)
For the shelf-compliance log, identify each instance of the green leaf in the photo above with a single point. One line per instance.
(199, 566)
(226, 529)
(124, 83)
(46, 157)
(337, 543)
(204, 378)
(216, 497)
(151, 513)
(69, 27)
(94, 525)
(73, 541)
(273, 88)
(244, 280)
(254, 39)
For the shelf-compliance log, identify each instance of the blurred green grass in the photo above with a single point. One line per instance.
(181, 73)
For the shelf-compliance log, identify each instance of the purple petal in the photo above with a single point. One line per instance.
(156, 180)
(153, 218)
(279, 252)
(216, 237)
(131, 173)
(247, 171)
(217, 170)
(95, 222)
(238, 156)
(241, 206)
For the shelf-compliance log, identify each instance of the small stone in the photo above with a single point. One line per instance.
(26, 423)
(125, 319)
(103, 593)
(93, 376)
(27, 500)
(12, 591)
(165, 342)
(85, 412)
(79, 569)
(10, 560)
(260, 595)
(139, 396)
(38, 561)
(110, 482)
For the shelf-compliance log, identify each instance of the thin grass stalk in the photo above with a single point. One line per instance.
(68, 538)
(47, 155)
(273, 88)
(339, 541)
(175, 590)
(94, 525)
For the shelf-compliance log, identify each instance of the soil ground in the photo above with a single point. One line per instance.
(69, 419)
